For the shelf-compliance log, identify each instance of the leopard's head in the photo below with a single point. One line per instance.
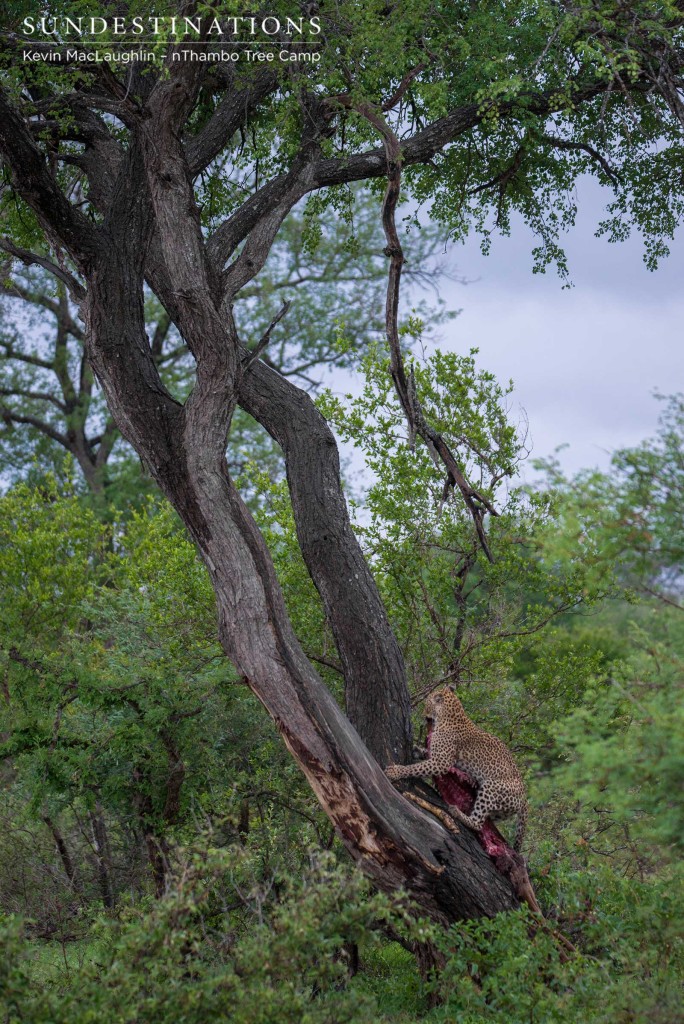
(440, 702)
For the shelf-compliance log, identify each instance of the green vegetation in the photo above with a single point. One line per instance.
(162, 856)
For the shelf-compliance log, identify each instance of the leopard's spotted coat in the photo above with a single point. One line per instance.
(458, 743)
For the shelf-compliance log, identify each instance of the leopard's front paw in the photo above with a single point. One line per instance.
(393, 771)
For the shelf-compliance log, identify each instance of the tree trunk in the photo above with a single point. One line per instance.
(102, 856)
(156, 847)
(64, 855)
(174, 779)
(376, 694)
(450, 877)
(150, 208)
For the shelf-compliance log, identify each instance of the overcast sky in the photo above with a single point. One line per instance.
(585, 361)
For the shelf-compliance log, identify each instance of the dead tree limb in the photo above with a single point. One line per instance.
(405, 387)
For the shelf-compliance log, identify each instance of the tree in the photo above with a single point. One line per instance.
(628, 520)
(492, 108)
(119, 716)
(50, 402)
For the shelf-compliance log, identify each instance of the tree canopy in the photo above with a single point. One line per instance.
(168, 180)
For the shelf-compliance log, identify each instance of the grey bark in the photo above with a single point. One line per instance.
(150, 206)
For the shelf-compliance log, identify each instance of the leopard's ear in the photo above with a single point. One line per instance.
(451, 688)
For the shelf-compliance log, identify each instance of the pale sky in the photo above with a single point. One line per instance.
(585, 361)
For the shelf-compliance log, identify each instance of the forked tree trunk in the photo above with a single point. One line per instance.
(150, 227)
(140, 147)
(376, 694)
(396, 844)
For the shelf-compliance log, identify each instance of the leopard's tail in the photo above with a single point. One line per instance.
(520, 828)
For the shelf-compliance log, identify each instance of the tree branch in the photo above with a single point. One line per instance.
(25, 357)
(586, 148)
(38, 396)
(106, 444)
(14, 290)
(63, 223)
(255, 352)
(476, 503)
(32, 259)
(232, 113)
(400, 91)
(8, 415)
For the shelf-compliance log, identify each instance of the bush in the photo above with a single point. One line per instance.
(182, 960)
(190, 959)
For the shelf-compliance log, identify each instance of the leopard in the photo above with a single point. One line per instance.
(456, 742)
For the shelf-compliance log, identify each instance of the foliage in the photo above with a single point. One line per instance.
(119, 704)
(184, 957)
(629, 522)
(626, 971)
(128, 669)
(458, 615)
(123, 730)
(622, 755)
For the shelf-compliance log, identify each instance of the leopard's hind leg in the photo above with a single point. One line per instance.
(482, 809)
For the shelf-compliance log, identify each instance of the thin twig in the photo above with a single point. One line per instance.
(255, 352)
